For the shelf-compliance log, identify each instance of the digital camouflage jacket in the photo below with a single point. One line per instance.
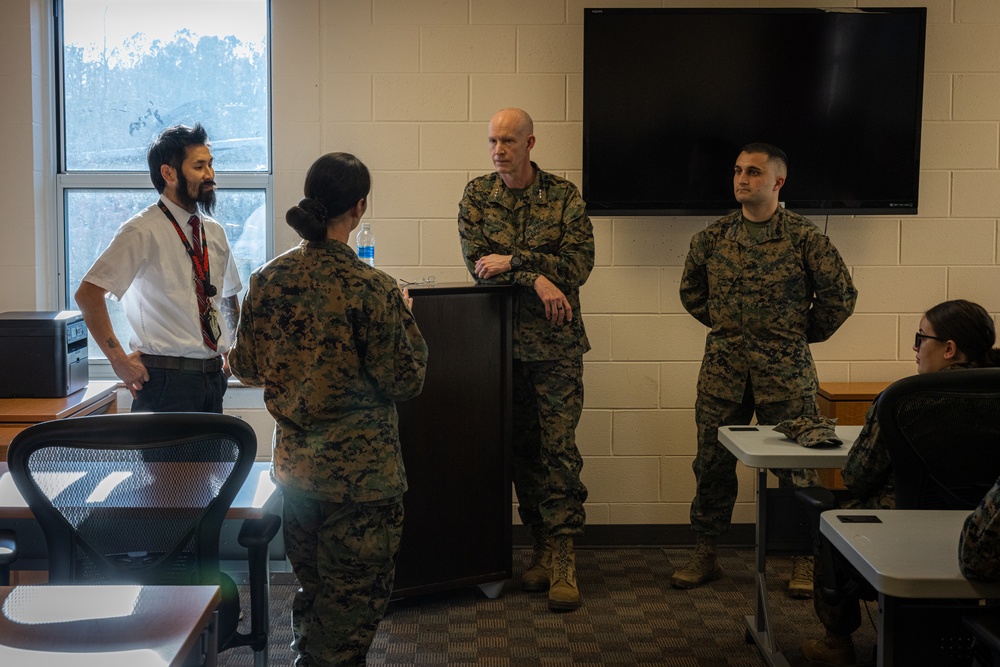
(334, 345)
(979, 543)
(764, 301)
(549, 228)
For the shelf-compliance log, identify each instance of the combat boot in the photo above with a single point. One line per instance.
(564, 595)
(832, 650)
(800, 585)
(702, 567)
(536, 577)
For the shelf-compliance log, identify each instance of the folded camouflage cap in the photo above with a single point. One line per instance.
(811, 431)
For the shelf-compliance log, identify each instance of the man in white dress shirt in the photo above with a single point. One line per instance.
(173, 271)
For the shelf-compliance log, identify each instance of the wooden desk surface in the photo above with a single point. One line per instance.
(851, 391)
(111, 626)
(250, 503)
(908, 553)
(34, 410)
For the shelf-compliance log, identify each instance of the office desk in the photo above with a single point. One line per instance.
(255, 500)
(762, 447)
(109, 626)
(17, 414)
(908, 555)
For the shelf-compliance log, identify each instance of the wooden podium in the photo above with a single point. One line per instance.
(456, 441)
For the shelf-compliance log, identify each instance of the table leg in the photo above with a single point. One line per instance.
(886, 622)
(758, 624)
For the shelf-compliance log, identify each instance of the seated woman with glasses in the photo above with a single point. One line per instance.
(952, 335)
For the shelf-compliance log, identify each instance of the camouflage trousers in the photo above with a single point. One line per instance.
(344, 556)
(548, 402)
(715, 467)
(844, 616)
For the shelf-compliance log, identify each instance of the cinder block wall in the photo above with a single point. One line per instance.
(409, 85)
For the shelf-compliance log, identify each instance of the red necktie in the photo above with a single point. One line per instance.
(199, 284)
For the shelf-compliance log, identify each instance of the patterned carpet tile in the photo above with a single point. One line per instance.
(630, 616)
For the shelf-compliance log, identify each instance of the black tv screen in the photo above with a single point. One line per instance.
(671, 95)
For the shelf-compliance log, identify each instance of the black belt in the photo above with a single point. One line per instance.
(213, 365)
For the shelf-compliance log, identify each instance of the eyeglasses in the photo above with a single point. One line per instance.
(918, 338)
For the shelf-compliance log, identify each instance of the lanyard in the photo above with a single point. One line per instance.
(201, 268)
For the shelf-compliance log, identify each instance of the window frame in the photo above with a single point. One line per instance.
(66, 180)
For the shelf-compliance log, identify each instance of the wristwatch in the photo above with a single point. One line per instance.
(516, 261)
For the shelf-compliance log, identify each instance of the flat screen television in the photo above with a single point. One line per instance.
(671, 95)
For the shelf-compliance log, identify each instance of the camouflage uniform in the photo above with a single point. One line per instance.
(765, 300)
(868, 476)
(548, 227)
(979, 543)
(333, 344)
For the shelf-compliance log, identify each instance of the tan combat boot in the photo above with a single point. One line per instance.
(800, 585)
(831, 650)
(536, 577)
(701, 568)
(563, 592)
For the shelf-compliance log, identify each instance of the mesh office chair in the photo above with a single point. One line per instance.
(136, 498)
(943, 435)
(942, 431)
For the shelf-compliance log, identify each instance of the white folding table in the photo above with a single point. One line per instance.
(762, 447)
(904, 555)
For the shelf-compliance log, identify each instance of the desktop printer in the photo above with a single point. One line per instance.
(42, 354)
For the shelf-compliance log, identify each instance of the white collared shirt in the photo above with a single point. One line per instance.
(147, 268)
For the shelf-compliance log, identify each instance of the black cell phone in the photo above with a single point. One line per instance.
(743, 428)
(859, 518)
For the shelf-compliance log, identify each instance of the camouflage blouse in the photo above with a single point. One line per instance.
(548, 227)
(867, 472)
(765, 301)
(334, 345)
(979, 543)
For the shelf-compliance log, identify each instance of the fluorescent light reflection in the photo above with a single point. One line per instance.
(137, 658)
(33, 605)
(54, 483)
(107, 485)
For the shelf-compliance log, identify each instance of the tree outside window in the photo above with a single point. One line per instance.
(127, 70)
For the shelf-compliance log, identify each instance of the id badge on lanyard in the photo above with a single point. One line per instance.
(212, 317)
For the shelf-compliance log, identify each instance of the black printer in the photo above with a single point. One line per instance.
(42, 354)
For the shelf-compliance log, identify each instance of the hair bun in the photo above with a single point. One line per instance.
(314, 207)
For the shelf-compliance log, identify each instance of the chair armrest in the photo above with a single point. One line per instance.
(257, 533)
(817, 498)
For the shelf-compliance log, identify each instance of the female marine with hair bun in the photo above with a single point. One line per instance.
(334, 345)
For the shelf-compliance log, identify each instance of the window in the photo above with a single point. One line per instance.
(128, 69)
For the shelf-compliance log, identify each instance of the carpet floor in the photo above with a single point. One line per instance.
(630, 616)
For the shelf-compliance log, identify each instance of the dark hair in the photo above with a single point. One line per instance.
(970, 326)
(170, 148)
(334, 183)
(770, 150)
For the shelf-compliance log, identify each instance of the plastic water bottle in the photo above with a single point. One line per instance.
(366, 244)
